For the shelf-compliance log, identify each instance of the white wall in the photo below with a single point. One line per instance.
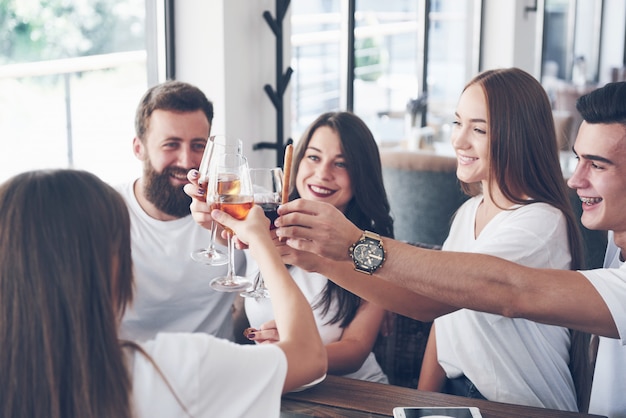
(226, 48)
(509, 35)
(613, 31)
(498, 38)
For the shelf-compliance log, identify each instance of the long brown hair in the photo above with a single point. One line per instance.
(369, 207)
(524, 156)
(64, 245)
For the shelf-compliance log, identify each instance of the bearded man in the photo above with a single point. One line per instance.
(172, 126)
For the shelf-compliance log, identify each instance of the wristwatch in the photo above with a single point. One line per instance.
(367, 254)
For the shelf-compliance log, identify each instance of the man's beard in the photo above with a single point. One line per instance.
(160, 192)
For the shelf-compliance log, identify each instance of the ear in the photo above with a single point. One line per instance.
(139, 149)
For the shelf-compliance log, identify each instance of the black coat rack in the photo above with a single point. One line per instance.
(276, 96)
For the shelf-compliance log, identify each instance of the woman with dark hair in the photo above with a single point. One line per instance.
(65, 281)
(337, 161)
(507, 160)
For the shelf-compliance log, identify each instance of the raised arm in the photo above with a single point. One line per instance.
(318, 238)
(474, 281)
(300, 340)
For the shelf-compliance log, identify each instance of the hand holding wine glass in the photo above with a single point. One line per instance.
(267, 185)
(216, 146)
(230, 190)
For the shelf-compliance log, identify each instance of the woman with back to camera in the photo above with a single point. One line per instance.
(65, 280)
(508, 162)
(337, 161)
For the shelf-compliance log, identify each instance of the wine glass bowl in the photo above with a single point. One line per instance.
(228, 198)
(230, 190)
(217, 145)
(267, 186)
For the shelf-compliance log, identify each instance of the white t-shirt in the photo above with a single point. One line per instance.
(260, 311)
(608, 393)
(510, 360)
(172, 292)
(211, 377)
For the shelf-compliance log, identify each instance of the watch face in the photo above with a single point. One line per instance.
(368, 255)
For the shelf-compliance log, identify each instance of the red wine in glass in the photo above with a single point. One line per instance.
(268, 187)
(270, 209)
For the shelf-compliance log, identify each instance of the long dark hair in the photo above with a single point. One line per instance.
(369, 207)
(65, 280)
(524, 156)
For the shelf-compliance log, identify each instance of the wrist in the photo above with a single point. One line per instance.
(352, 239)
(367, 252)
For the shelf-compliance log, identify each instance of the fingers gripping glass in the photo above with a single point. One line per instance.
(230, 190)
(216, 146)
(267, 186)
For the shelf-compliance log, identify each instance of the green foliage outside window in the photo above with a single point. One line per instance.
(51, 29)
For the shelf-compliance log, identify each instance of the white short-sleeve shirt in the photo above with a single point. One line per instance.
(608, 393)
(211, 377)
(510, 360)
(172, 292)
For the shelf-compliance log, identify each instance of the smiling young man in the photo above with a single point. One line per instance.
(172, 124)
(424, 284)
(600, 181)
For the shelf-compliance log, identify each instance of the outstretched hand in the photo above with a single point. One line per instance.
(316, 227)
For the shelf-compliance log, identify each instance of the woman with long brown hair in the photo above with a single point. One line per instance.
(337, 161)
(507, 160)
(65, 280)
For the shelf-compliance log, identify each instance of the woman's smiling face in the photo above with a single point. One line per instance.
(322, 173)
(470, 136)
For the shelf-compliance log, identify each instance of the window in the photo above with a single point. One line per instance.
(571, 41)
(71, 74)
(390, 71)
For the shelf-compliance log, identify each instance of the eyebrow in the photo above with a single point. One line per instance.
(320, 151)
(179, 139)
(593, 157)
(472, 120)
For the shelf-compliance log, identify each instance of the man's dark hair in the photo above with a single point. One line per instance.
(604, 105)
(175, 96)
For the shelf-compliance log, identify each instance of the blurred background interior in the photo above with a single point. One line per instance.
(72, 72)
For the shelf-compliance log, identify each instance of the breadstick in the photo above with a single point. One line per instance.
(287, 175)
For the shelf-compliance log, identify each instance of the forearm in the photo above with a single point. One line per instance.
(357, 340)
(292, 311)
(475, 281)
(385, 290)
(432, 376)
(293, 316)
(346, 356)
(491, 284)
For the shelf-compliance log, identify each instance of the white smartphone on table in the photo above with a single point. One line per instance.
(436, 412)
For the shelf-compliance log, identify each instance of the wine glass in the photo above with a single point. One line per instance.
(230, 190)
(216, 145)
(267, 186)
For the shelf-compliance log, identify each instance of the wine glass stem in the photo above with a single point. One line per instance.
(261, 283)
(213, 235)
(231, 258)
